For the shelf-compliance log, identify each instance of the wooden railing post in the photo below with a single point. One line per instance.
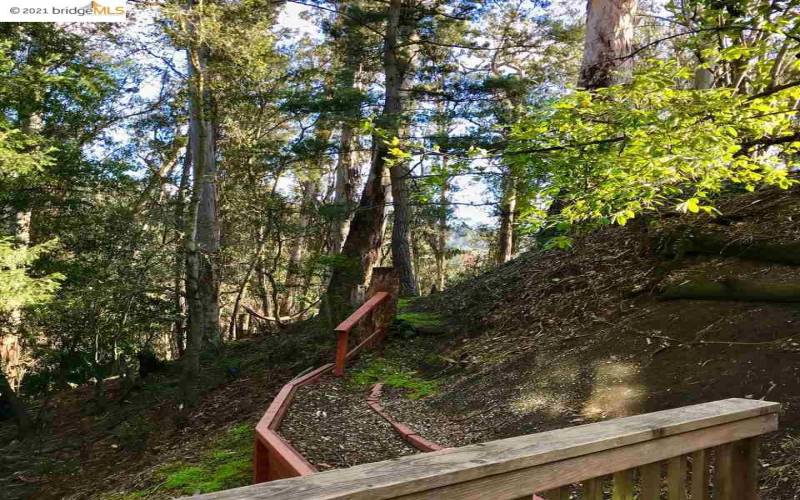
(650, 477)
(623, 485)
(746, 461)
(260, 462)
(341, 352)
(676, 478)
(723, 472)
(700, 476)
(593, 489)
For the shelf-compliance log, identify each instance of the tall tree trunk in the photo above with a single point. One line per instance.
(202, 232)
(402, 258)
(398, 67)
(11, 368)
(263, 292)
(350, 51)
(508, 208)
(179, 325)
(362, 247)
(345, 196)
(609, 33)
(440, 245)
(294, 274)
(441, 229)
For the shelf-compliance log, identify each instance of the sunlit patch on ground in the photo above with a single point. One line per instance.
(538, 402)
(550, 392)
(616, 391)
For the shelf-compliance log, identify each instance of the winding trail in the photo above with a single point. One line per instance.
(407, 433)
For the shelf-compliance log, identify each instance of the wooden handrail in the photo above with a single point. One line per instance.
(345, 327)
(547, 462)
(273, 456)
(360, 313)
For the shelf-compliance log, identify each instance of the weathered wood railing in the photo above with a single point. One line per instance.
(274, 457)
(365, 318)
(634, 451)
(368, 325)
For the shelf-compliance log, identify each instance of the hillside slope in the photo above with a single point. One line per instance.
(548, 340)
(138, 444)
(558, 338)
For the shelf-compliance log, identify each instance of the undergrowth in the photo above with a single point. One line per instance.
(227, 464)
(781, 472)
(379, 370)
(420, 319)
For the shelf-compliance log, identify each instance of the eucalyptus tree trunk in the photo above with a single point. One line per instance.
(179, 266)
(441, 229)
(361, 249)
(508, 208)
(607, 47)
(351, 53)
(345, 195)
(508, 198)
(507, 114)
(606, 53)
(202, 238)
(294, 275)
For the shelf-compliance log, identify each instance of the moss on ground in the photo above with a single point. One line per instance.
(421, 319)
(227, 464)
(417, 319)
(391, 374)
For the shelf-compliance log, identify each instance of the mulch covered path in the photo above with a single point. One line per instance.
(332, 426)
(435, 425)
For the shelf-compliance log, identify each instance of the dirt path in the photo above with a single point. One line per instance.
(333, 427)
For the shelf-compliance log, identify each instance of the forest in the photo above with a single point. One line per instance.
(193, 199)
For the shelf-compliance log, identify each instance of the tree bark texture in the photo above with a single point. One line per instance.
(508, 208)
(294, 274)
(202, 236)
(351, 53)
(609, 34)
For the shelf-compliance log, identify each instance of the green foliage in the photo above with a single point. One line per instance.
(621, 151)
(227, 464)
(17, 287)
(560, 242)
(421, 319)
(379, 370)
(20, 154)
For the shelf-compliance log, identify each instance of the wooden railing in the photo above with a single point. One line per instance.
(368, 320)
(274, 457)
(634, 451)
